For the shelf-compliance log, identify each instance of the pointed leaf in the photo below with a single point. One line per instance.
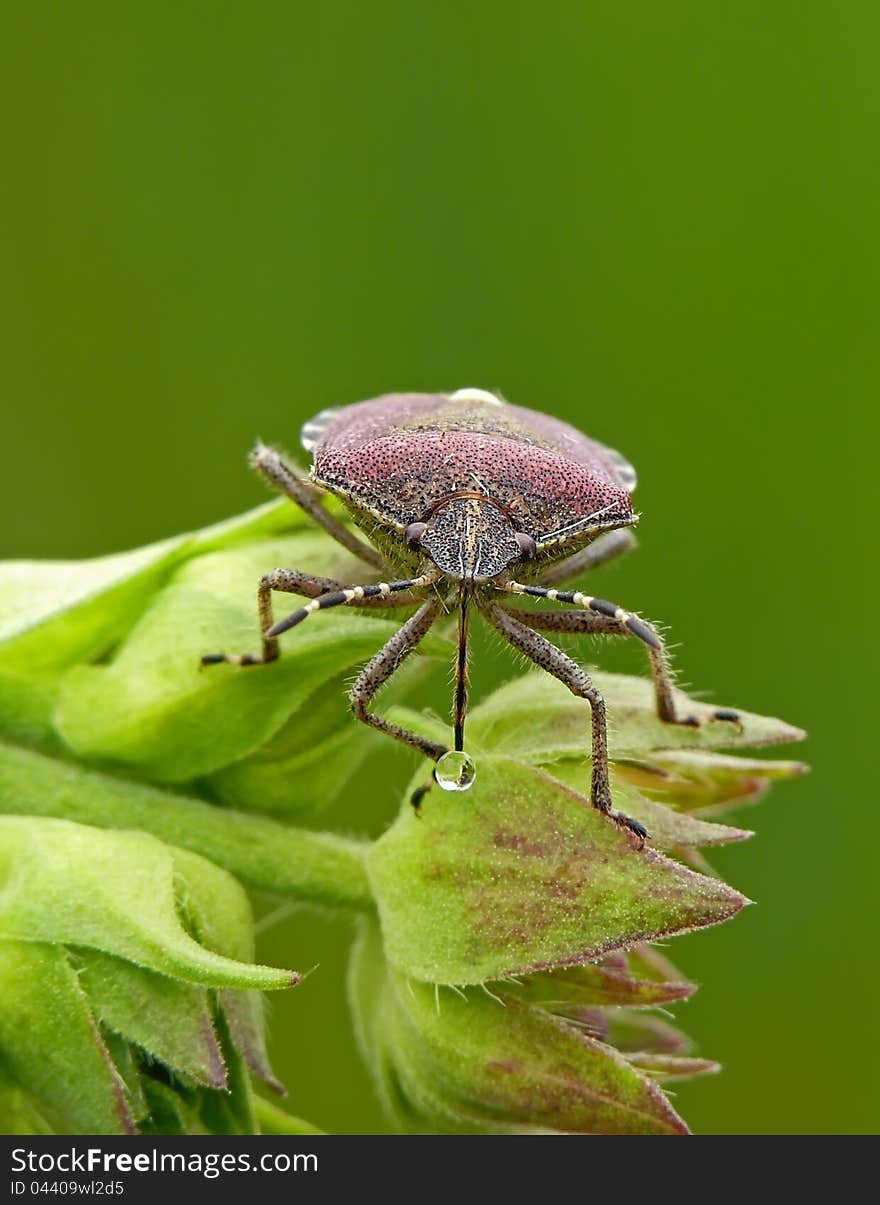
(56, 1053)
(710, 783)
(647, 963)
(592, 985)
(229, 1112)
(519, 875)
(667, 829)
(645, 1033)
(126, 1059)
(665, 1067)
(626, 1031)
(535, 718)
(222, 921)
(169, 1020)
(112, 891)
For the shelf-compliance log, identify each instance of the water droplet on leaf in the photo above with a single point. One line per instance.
(455, 771)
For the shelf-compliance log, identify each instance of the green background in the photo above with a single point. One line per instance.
(656, 220)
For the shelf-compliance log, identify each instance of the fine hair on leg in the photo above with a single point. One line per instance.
(603, 549)
(548, 657)
(293, 482)
(586, 623)
(603, 618)
(383, 665)
(324, 593)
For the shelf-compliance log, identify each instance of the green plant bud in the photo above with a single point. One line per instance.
(127, 985)
(521, 888)
(102, 658)
(119, 892)
(490, 1061)
(522, 874)
(504, 980)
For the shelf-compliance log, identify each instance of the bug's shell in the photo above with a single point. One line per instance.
(399, 455)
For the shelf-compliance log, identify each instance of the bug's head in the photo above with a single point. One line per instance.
(470, 539)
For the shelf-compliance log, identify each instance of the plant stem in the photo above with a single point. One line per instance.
(276, 1121)
(311, 866)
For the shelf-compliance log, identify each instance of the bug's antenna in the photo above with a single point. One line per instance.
(461, 672)
(574, 598)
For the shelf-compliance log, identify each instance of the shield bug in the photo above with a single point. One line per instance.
(470, 501)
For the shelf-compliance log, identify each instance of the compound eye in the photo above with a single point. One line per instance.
(527, 546)
(413, 534)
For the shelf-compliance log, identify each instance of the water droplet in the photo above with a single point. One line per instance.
(455, 771)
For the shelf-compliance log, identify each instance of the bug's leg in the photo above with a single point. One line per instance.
(603, 549)
(293, 482)
(324, 592)
(606, 618)
(546, 655)
(587, 623)
(378, 670)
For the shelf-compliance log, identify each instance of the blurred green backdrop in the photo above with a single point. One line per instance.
(658, 221)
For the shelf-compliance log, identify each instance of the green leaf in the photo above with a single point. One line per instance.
(521, 874)
(609, 982)
(316, 753)
(169, 1020)
(51, 1047)
(149, 927)
(222, 921)
(304, 766)
(704, 781)
(668, 829)
(176, 1108)
(643, 1033)
(55, 613)
(472, 1061)
(535, 718)
(229, 1112)
(68, 884)
(666, 1067)
(538, 721)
